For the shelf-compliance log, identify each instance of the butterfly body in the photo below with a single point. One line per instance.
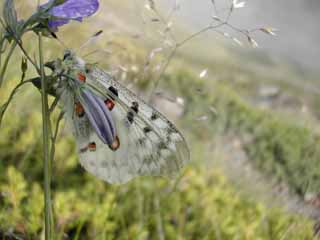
(119, 136)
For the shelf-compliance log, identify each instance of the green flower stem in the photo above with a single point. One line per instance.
(54, 105)
(6, 104)
(17, 40)
(28, 57)
(6, 62)
(46, 152)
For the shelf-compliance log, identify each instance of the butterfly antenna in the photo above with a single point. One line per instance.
(106, 52)
(91, 39)
(58, 39)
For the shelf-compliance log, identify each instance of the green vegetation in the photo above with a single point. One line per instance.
(202, 204)
(277, 145)
(200, 207)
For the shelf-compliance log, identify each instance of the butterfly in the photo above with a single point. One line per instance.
(119, 136)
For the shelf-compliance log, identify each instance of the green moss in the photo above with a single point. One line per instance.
(201, 205)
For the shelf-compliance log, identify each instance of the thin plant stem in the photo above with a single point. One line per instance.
(164, 69)
(180, 44)
(197, 34)
(6, 62)
(54, 105)
(12, 94)
(159, 220)
(174, 51)
(54, 136)
(46, 152)
(18, 41)
(28, 57)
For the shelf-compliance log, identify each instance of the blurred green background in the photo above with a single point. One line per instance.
(251, 125)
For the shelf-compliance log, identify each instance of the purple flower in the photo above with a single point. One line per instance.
(99, 116)
(70, 10)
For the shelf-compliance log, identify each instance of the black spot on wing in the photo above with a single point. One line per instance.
(170, 130)
(154, 116)
(162, 145)
(134, 109)
(88, 68)
(130, 117)
(114, 91)
(142, 142)
(147, 130)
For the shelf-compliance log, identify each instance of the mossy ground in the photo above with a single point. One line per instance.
(201, 204)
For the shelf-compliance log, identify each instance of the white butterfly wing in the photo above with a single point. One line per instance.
(149, 143)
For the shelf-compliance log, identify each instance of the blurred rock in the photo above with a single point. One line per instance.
(269, 91)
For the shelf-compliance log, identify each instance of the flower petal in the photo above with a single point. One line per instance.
(54, 24)
(75, 9)
(70, 10)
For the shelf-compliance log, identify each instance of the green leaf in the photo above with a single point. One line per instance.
(10, 15)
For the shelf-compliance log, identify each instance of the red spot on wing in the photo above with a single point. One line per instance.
(115, 145)
(79, 109)
(82, 77)
(92, 147)
(109, 103)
